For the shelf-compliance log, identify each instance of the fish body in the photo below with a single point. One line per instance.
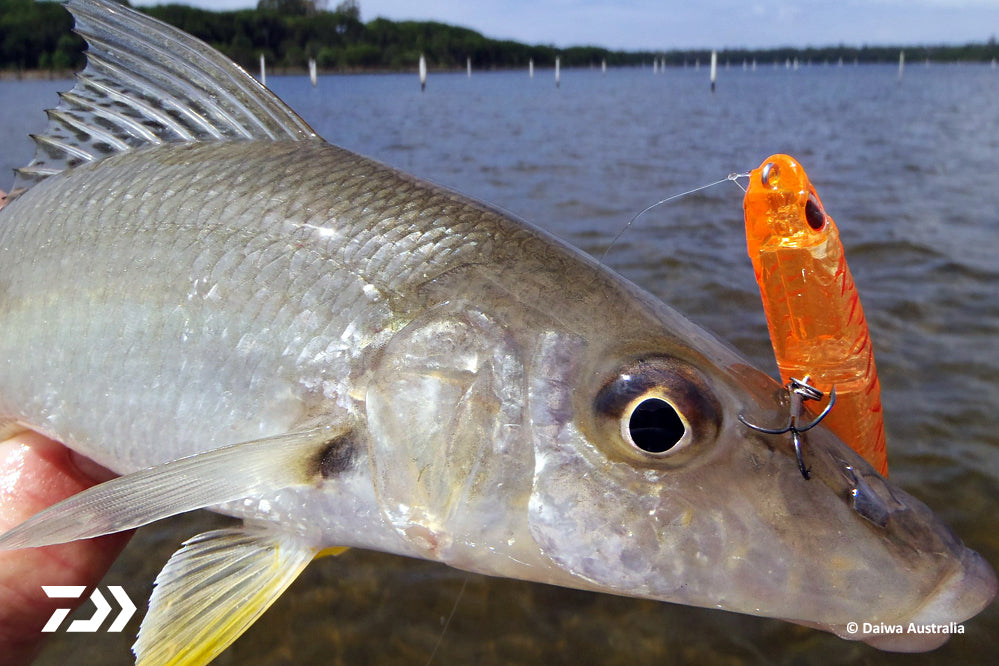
(817, 324)
(199, 293)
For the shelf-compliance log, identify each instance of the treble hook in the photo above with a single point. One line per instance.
(800, 391)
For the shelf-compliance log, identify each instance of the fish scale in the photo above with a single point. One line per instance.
(239, 252)
(148, 245)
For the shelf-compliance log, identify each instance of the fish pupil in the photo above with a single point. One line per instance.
(655, 427)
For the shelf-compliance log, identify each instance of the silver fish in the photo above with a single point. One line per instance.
(199, 293)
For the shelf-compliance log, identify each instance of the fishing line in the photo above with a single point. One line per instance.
(447, 623)
(731, 177)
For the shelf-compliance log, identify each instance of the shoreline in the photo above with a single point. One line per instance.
(70, 74)
(36, 75)
(66, 74)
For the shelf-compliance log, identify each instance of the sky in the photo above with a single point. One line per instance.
(682, 24)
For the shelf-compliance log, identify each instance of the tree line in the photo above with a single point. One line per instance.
(37, 35)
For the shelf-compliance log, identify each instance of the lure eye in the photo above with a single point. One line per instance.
(813, 213)
(653, 426)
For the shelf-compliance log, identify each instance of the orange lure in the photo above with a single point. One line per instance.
(817, 325)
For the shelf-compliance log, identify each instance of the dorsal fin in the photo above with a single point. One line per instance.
(147, 83)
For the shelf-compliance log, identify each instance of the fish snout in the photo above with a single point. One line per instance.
(965, 581)
(958, 597)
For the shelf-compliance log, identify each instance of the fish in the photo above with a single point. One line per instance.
(813, 310)
(210, 300)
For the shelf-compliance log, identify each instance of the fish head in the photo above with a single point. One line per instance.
(579, 432)
(648, 483)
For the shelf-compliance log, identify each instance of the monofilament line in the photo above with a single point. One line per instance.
(440, 639)
(731, 177)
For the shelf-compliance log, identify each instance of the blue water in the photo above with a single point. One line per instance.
(908, 170)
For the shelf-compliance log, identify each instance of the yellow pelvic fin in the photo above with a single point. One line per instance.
(213, 589)
(332, 551)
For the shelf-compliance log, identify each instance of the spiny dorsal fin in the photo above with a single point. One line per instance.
(147, 83)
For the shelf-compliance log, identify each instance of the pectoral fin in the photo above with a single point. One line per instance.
(202, 480)
(213, 589)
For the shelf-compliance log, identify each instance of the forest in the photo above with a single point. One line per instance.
(37, 35)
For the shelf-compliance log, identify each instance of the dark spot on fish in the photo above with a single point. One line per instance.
(813, 214)
(336, 456)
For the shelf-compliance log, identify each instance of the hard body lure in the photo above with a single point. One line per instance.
(817, 325)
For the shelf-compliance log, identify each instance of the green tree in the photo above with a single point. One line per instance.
(287, 7)
(38, 35)
(350, 9)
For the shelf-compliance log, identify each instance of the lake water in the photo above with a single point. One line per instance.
(910, 172)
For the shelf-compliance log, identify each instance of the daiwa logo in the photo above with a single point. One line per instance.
(97, 619)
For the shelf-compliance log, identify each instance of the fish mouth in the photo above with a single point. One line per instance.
(964, 588)
(958, 597)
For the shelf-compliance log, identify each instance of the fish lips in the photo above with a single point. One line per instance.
(966, 583)
(966, 591)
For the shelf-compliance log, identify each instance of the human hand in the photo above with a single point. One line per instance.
(36, 472)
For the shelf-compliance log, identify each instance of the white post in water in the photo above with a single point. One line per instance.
(714, 69)
(263, 71)
(655, 65)
(557, 76)
(468, 61)
(312, 71)
(530, 68)
(603, 66)
(423, 73)
(901, 64)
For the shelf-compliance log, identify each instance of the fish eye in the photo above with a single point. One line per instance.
(653, 426)
(656, 408)
(814, 215)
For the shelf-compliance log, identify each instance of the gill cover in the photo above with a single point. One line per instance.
(445, 408)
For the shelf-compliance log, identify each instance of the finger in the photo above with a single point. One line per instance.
(36, 472)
